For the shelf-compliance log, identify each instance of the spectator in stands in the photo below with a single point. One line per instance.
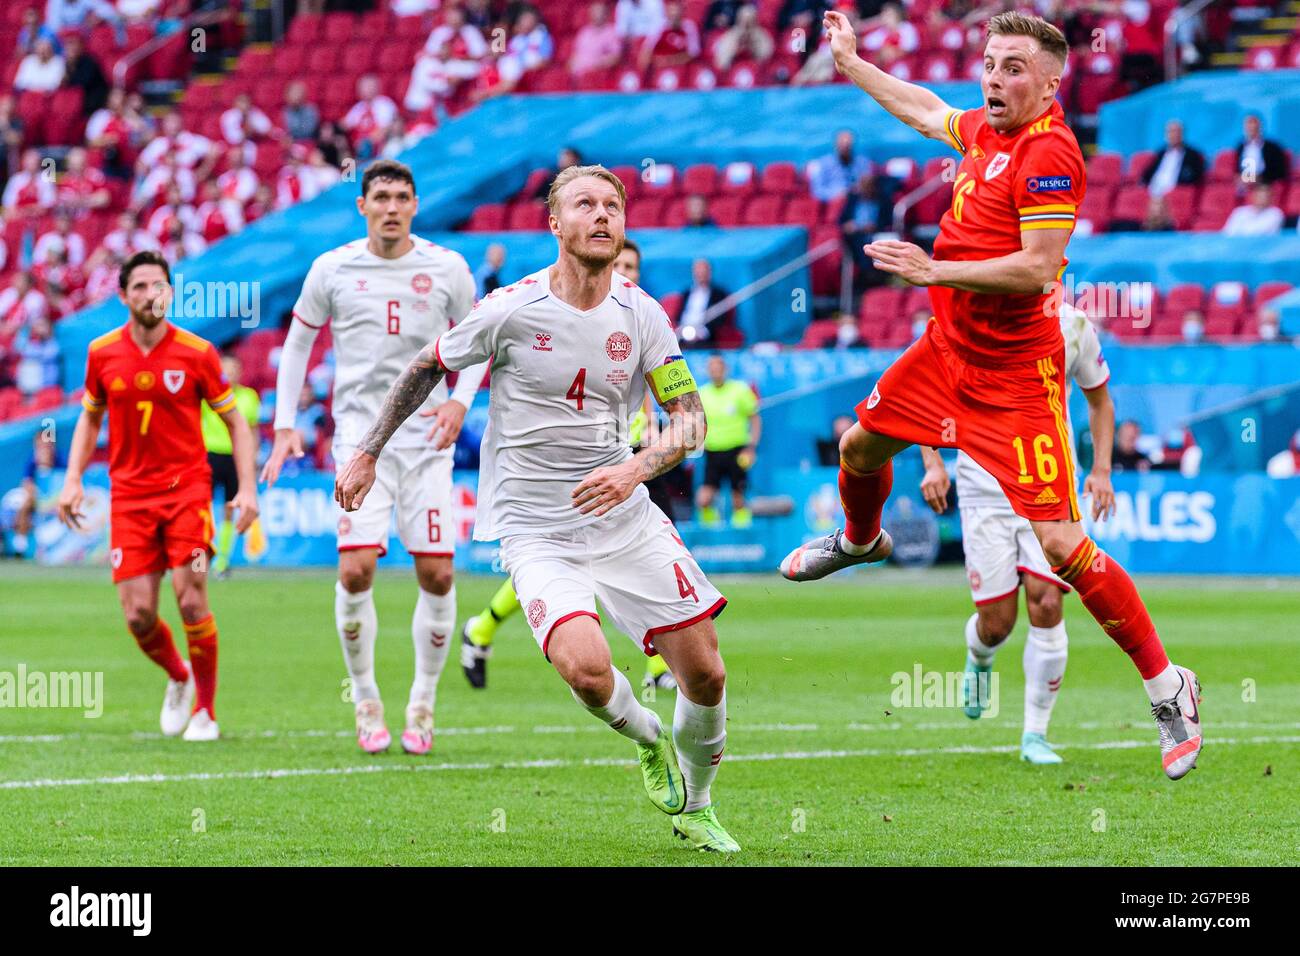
(746, 40)
(1177, 164)
(299, 117)
(1268, 325)
(30, 192)
(1193, 326)
(487, 277)
(84, 72)
(136, 11)
(238, 182)
(321, 173)
(478, 13)
(722, 14)
(597, 46)
(61, 15)
(889, 37)
(61, 236)
(413, 8)
(179, 243)
(244, 122)
(81, 189)
(530, 47)
(175, 208)
(693, 328)
(1158, 217)
(113, 131)
(636, 19)
(452, 56)
(217, 216)
(920, 319)
(310, 418)
(332, 143)
(847, 333)
(399, 139)
(63, 284)
(169, 172)
(368, 119)
(45, 459)
(1286, 463)
(1260, 160)
(859, 221)
(101, 283)
(568, 156)
(33, 30)
(21, 302)
(263, 202)
(1259, 217)
(805, 15)
(832, 175)
(191, 150)
(1127, 456)
(38, 357)
(697, 212)
(40, 71)
(828, 449)
(128, 238)
(675, 43)
(11, 135)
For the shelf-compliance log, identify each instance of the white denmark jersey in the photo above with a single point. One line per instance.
(382, 312)
(1084, 364)
(564, 384)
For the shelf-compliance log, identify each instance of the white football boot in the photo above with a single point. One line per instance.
(177, 704)
(1179, 721)
(372, 736)
(201, 728)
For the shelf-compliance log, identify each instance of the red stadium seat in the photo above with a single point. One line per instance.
(289, 61)
(1105, 169)
(940, 67)
(536, 179)
(1184, 298)
(726, 210)
(659, 179)
(819, 333)
(489, 217)
(781, 179)
(883, 303)
(1095, 210)
(673, 215)
(700, 179)
(645, 213)
(745, 76)
(667, 79)
(1270, 290)
(1181, 201)
(916, 300)
(551, 79)
(826, 270)
(323, 60)
(339, 28)
(1091, 90)
(363, 56)
(700, 76)
(33, 110)
(803, 211)
(764, 210)
(1224, 169)
(65, 125)
(1137, 165)
(1265, 58)
(526, 217)
(305, 28)
(738, 178)
(672, 304)
(1131, 204)
(631, 178)
(830, 213)
(1218, 198)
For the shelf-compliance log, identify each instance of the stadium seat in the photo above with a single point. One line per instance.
(1105, 169)
(645, 213)
(1137, 165)
(939, 67)
(819, 333)
(826, 271)
(1183, 298)
(527, 216)
(1096, 207)
(700, 179)
(304, 29)
(764, 210)
(338, 28)
(781, 179)
(536, 179)
(631, 179)
(1131, 204)
(673, 215)
(1224, 168)
(323, 60)
(1270, 290)
(726, 210)
(738, 178)
(289, 61)
(883, 303)
(490, 217)
(744, 76)
(803, 211)
(672, 304)
(1265, 57)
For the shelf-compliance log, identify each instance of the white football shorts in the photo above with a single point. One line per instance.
(1000, 546)
(412, 485)
(631, 559)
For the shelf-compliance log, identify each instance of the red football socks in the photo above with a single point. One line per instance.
(863, 496)
(1111, 597)
(159, 647)
(202, 639)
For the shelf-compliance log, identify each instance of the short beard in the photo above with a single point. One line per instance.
(594, 262)
(148, 318)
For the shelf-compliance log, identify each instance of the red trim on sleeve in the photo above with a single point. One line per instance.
(437, 351)
(308, 324)
(1098, 385)
(1065, 588)
(546, 641)
(647, 642)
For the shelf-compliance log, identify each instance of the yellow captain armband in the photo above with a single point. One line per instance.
(672, 380)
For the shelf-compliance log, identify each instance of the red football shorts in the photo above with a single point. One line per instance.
(150, 538)
(1010, 419)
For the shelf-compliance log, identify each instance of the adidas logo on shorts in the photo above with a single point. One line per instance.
(1047, 497)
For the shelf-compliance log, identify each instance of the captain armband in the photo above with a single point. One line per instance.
(672, 380)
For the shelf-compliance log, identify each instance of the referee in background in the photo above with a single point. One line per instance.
(216, 439)
(731, 409)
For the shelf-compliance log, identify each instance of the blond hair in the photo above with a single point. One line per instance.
(1050, 39)
(569, 174)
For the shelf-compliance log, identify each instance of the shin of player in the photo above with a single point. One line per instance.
(151, 378)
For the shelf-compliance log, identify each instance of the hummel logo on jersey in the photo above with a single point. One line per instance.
(543, 342)
(1047, 497)
(361, 285)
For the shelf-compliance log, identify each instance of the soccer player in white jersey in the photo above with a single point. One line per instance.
(573, 350)
(386, 296)
(1002, 552)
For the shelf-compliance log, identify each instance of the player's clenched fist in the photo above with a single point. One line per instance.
(355, 481)
(70, 499)
(604, 488)
(448, 419)
(844, 43)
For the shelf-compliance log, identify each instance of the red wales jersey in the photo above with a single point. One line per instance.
(1007, 183)
(155, 447)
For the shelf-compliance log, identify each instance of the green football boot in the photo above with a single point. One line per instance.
(663, 780)
(701, 829)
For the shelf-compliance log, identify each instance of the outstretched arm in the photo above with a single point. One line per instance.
(606, 487)
(914, 105)
(407, 394)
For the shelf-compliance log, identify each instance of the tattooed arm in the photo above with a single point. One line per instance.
(407, 394)
(606, 487)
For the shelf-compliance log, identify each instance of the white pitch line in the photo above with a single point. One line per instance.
(278, 774)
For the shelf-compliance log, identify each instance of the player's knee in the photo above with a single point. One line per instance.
(356, 579)
(140, 618)
(193, 605)
(996, 626)
(1058, 540)
(435, 580)
(706, 684)
(1044, 606)
(590, 679)
(860, 452)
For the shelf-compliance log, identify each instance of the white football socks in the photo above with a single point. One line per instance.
(624, 713)
(1046, 651)
(1164, 685)
(432, 627)
(699, 734)
(979, 652)
(357, 624)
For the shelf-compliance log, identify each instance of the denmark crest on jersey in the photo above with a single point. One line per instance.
(618, 346)
(996, 165)
(421, 284)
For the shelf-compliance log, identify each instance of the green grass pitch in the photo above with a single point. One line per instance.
(822, 766)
